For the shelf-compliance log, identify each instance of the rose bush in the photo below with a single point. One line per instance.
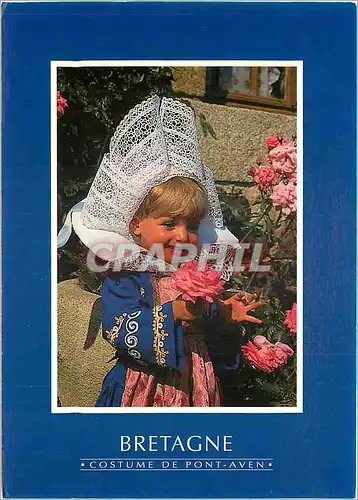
(267, 376)
(279, 176)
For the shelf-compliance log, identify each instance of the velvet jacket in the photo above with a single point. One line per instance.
(143, 332)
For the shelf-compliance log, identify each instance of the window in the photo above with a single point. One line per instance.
(269, 88)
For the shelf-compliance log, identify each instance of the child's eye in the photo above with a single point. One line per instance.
(169, 224)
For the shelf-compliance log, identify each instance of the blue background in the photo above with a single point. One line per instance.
(313, 451)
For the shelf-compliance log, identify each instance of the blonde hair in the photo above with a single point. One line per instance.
(177, 197)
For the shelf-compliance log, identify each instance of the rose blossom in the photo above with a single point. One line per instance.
(265, 177)
(251, 171)
(196, 284)
(272, 141)
(282, 353)
(263, 355)
(261, 340)
(61, 104)
(284, 159)
(263, 358)
(292, 177)
(280, 346)
(285, 197)
(291, 320)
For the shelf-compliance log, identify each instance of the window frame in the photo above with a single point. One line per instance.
(254, 101)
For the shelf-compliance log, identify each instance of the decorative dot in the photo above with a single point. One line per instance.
(82, 465)
(270, 464)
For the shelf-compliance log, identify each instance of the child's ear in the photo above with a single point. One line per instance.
(134, 226)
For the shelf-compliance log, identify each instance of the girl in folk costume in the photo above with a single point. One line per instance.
(153, 192)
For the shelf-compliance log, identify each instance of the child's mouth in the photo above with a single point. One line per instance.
(183, 252)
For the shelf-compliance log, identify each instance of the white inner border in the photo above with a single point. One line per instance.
(54, 340)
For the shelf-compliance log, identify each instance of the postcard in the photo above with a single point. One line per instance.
(179, 225)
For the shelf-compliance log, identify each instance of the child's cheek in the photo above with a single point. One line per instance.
(162, 235)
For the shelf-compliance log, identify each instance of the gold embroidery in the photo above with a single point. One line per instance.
(159, 333)
(113, 333)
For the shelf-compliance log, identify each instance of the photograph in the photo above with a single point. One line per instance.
(177, 205)
(179, 215)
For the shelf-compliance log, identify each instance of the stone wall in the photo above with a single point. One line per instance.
(84, 358)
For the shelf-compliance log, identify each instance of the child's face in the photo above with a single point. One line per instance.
(167, 231)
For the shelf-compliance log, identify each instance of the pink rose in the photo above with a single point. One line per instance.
(280, 346)
(261, 358)
(166, 291)
(292, 177)
(284, 196)
(265, 177)
(284, 159)
(272, 142)
(251, 171)
(194, 284)
(263, 355)
(291, 320)
(282, 353)
(61, 104)
(260, 341)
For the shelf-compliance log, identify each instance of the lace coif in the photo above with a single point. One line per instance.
(157, 140)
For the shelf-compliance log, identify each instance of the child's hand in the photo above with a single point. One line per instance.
(236, 307)
(187, 311)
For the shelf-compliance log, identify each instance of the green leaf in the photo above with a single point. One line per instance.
(272, 388)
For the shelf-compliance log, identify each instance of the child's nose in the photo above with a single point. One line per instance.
(181, 235)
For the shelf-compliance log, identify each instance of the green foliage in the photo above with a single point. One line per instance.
(236, 212)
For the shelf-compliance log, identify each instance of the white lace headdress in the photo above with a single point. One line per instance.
(157, 140)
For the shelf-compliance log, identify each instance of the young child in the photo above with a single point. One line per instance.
(152, 189)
